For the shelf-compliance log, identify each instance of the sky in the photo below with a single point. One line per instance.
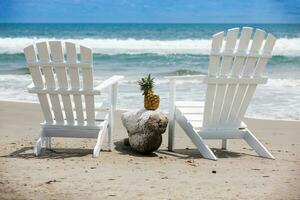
(150, 11)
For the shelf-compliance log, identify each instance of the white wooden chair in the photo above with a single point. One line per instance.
(66, 94)
(236, 64)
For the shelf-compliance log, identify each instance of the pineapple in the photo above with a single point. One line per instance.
(151, 100)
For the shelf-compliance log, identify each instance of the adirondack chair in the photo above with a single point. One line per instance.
(236, 66)
(66, 93)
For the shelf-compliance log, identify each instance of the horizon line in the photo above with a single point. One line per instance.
(292, 23)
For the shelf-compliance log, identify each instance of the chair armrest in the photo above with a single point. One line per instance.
(30, 88)
(108, 82)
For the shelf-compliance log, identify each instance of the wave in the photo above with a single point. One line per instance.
(183, 72)
(283, 47)
(283, 83)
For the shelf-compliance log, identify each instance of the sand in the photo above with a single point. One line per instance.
(70, 172)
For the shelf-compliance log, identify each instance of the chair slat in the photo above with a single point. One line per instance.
(90, 109)
(262, 62)
(246, 101)
(231, 39)
(255, 48)
(61, 75)
(236, 70)
(241, 92)
(214, 61)
(34, 71)
(268, 47)
(243, 45)
(74, 79)
(87, 73)
(37, 79)
(213, 70)
(73, 69)
(50, 81)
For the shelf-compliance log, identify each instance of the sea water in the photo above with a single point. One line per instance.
(134, 50)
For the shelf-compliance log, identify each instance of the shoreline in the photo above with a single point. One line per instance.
(70, 172)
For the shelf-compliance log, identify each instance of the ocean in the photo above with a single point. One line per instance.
(134, 50)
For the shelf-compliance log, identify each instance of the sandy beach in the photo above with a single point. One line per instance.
(70, 172)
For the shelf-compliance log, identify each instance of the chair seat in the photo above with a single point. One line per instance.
(75, 131)
(193, 112)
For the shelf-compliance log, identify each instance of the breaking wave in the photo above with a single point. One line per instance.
(283, 47)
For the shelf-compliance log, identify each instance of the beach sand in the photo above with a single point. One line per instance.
(70, 172)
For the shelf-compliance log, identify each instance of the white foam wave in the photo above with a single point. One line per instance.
(284, 46)
(283, 83)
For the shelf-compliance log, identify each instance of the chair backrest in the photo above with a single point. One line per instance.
(236, 64)
(62, 84)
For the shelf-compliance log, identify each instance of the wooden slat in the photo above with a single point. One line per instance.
(262, 62)
(214, 61)
(34, 71)
(268, 47)
(248, 70)
(74, 79)
(37, 79)
(231, 39)
(235, 72)
(213, 70)
(50, 81)
(243, 45)
(255, 48)
(238, 98)
(61, 75)
(73, 69)
(86, 57)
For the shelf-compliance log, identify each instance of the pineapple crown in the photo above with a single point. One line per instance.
(146, 84)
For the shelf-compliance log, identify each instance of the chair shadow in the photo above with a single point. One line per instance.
(55, 153)
(179, 153)
(194, 153)
(127, 150)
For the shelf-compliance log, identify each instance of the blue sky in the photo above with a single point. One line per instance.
(150, 11)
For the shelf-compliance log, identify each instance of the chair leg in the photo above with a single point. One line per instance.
(224, 144)
(110, 136)
(48, 142)
(195, 138)
(205, 151)
(100, 138)
(97, 147)
(171, 136)
(259, 148)
(110, 127)
(38, 147)
(113, 99)
(172, 107)
(39, 144)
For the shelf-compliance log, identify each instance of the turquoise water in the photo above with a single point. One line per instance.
(134, 50)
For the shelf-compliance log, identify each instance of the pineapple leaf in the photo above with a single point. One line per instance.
(146, 84)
